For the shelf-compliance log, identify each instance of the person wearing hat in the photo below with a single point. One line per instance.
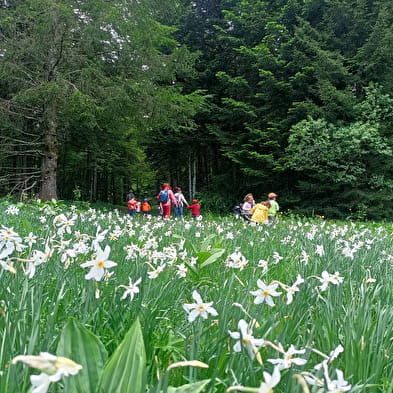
(195, 209)
(274, 208)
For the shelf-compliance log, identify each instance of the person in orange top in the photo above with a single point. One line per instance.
(132, 205)
(145, 207)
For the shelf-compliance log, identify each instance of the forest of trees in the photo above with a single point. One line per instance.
(219, 97)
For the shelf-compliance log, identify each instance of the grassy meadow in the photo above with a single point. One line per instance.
(302, 306)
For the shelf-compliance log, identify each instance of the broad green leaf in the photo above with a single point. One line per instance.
(125, 369)
(195, 387)
(214, 256)
(83, 347)
(203, 255)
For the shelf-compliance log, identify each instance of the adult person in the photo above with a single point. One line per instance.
(274, 207)
(165, 197)
(181, 201)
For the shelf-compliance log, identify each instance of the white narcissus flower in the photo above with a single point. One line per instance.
(294, 288)
(339, 385)
(99, 264)
(37, 258)
(333, 355)
(100, 236)
(131, 288)
(236, 260)
(276, 257)
(264, 265)
(40, 383)
(12, 210)
(336, 278)
(304, 257)
(30, 239)
(320, 250)
(270, 381)
(246, 339)
(199, 308)
(265, 293)
(288, 359)
(325, 279)
(53, 369)
(60, 220)
(154, 273)
(229, 236)
(181, 270)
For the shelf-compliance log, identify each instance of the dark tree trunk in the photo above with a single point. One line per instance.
(49, 159)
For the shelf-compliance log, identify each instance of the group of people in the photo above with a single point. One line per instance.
(166, 197)
(135, 205)
(262, 212)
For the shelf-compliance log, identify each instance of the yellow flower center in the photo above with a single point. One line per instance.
(101, 264)
(266, 293)
(201, 308)
(245, 340)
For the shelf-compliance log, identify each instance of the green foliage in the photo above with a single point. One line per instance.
(125, 369)
(81, 345)
(156, 354)
(195, 387)
(198, 92)
(347, 160)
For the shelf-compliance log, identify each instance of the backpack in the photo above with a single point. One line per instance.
(164, 196)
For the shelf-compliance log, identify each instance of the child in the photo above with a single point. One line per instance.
(145, 207)
(248, 204)
(195, 209)
(260, 212)
(274, 207)
(132, 206)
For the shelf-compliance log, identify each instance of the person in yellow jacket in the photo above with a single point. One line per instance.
(260, 212)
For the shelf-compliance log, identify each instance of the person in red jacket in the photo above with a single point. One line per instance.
(132, 205)
(166, 196)
(195, 209)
